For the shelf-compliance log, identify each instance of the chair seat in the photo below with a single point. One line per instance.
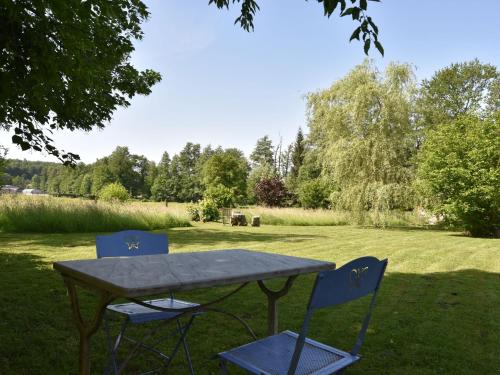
(273, 355)
(141, 314)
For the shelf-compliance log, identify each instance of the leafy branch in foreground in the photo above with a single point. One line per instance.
(357, 9)
(65, 64)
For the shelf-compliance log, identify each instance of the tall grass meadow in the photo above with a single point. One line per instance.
(324, 217)
(42, 214)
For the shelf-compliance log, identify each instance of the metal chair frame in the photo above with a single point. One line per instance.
(137, 243)
(354, 280)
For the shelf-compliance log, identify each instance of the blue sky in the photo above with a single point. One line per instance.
(224, 86)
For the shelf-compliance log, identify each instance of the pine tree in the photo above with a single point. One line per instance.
(297, 154)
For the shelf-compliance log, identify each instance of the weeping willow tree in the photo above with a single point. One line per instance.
(363, 128)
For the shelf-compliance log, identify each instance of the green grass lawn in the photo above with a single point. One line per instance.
(438, 311)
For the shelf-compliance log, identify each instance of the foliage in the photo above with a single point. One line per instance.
(193, 210)
(66, 65)
(463, 88)
(313, 194)
(298, 154)
(460, 173)
(208, 210)
(3, 162)
(65, 215)
(358, 12)
(221, 195)
(270, 192)
(185, 182)
(261, 171)
(114, 192)
(363, 132)
(160, 190)
(228, 168)
(262, 153)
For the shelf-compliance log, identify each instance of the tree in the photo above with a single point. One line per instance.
(460, 89)
(161, 189)
(459, 173)
(149, 176)
(229, 168)
(263, 152)
(285, 161)
(313, 194)
(120, 165)
(358, 12)
(3, 162)
(85, 185)
(101, 176)
(35, 182)
(264, 170)
(298, 154)
(363, 130)
(66, 65)
(185, 179)
(271, 192)
(114, 192)
(221, 195)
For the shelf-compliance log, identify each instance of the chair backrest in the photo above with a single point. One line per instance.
(131, 243)
(353, 280)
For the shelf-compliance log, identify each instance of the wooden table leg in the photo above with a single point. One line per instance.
(272, 303)
(86, 329)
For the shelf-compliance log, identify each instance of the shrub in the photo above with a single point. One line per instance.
(114, 192)
(459, 173)
(193, 210)
(270, 192)
(313, 194)
(221, 195)
(208, 210)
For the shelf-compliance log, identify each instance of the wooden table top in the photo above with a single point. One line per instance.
(153, 274)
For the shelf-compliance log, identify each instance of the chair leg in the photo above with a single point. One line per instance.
(184, 332)
(112, 348)
(185, 347)
(110, 367)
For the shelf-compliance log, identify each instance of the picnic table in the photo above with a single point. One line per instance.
(133, 277)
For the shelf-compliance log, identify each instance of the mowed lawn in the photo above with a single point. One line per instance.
(438, 311)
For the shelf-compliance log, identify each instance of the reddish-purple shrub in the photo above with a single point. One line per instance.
(270, 192)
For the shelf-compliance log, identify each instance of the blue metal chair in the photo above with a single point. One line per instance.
(289, 353)
(137, 243)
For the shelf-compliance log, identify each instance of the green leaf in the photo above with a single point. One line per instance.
(17, 139)
(367, 46)
(379, 47)
(355, 13)
(347, 12)
(355, 34)
(363, 4)
(375, 28)
(329, 6)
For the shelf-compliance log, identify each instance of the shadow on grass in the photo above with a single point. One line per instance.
(208, 237)
(53, 239)
(195, 236)
(446, 323)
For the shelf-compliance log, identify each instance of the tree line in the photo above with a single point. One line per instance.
(376, 141)
(184, 177)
